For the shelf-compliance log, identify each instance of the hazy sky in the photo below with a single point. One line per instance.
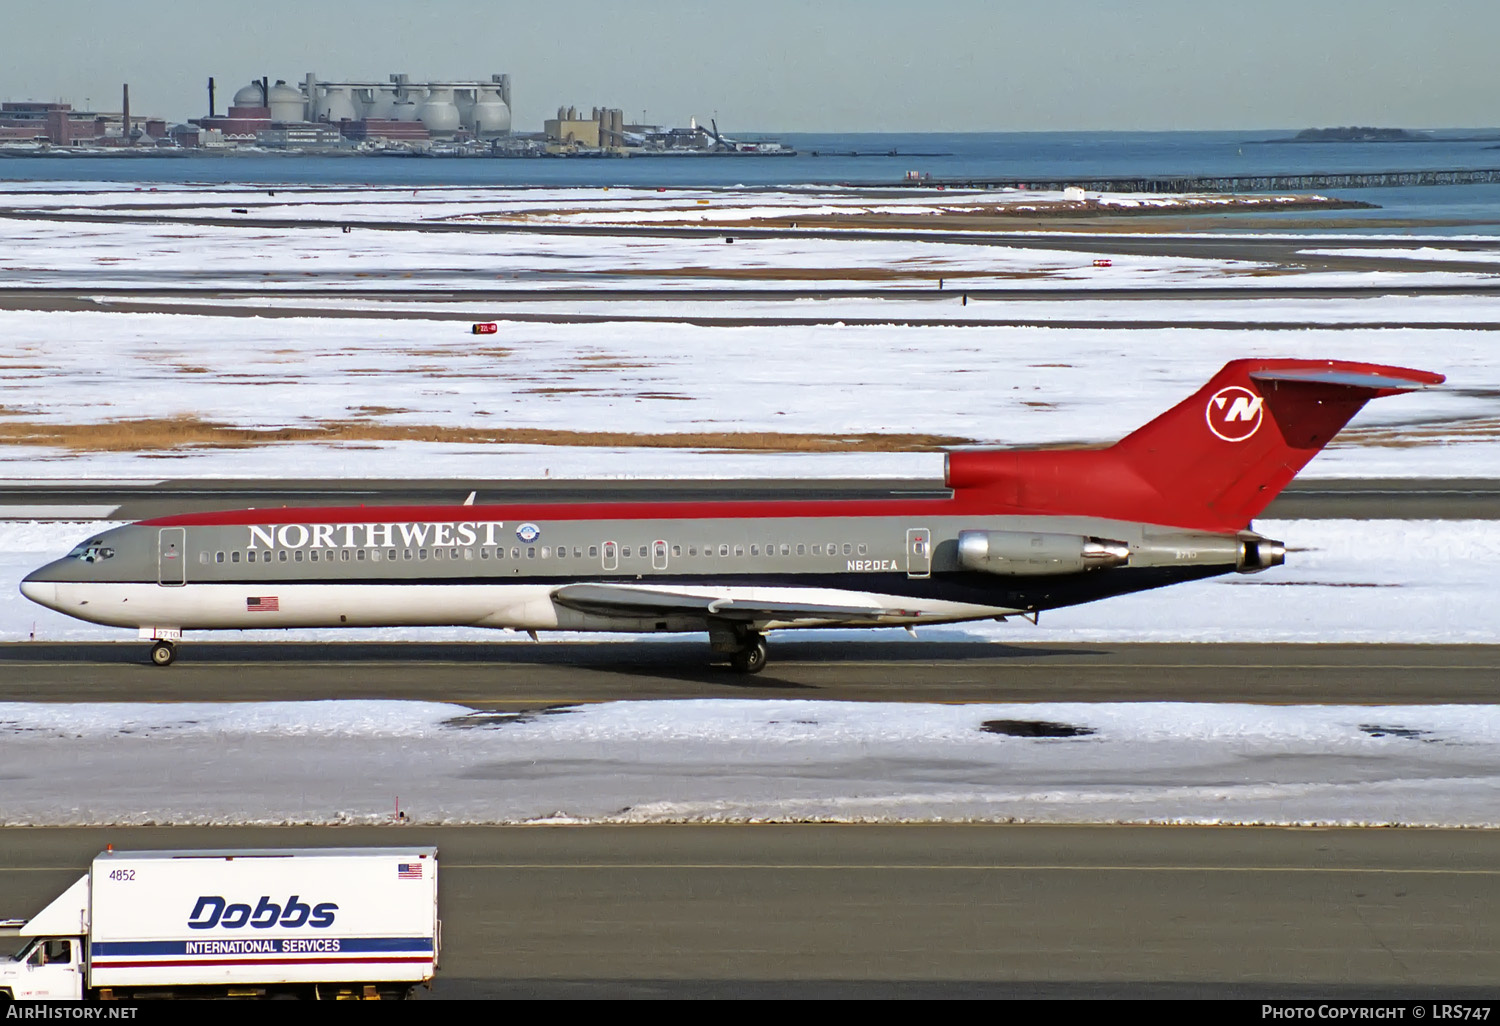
(785, 65)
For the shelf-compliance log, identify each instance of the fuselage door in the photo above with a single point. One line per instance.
(918, 552)
(658, 555)
(611, 556)
(171, 557)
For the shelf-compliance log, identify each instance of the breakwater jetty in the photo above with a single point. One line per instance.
(1221, 183)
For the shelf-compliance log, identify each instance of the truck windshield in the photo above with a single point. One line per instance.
(23, 951)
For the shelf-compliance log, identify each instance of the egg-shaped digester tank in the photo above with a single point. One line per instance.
(337, 104)
(490, 117)
(287, 104)
(382, 103)
(439, 113)
(406, 107)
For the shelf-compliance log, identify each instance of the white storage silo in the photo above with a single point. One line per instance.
(249, 96)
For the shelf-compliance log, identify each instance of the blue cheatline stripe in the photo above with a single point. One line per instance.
(222, 945)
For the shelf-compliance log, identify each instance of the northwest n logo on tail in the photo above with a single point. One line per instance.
(1234, 413)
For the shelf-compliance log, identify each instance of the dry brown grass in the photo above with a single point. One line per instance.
(823, 273)
(168, 433)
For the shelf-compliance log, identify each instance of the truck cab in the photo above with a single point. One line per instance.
(44, 968)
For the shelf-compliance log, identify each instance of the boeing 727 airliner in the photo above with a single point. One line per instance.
(1019, 533)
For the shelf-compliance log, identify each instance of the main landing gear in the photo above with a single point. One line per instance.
(162, 653)
(750, 657)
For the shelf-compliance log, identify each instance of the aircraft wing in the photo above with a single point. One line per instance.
(628, 600)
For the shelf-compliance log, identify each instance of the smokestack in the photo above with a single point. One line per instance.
(265, 90)
(211, 97)
(126, 114)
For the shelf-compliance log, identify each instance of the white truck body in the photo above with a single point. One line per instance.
(362, 921)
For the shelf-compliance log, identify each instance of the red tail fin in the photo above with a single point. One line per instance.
(1211, 462)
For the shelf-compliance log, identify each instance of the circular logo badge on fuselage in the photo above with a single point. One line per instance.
(1234, 413)
(528, 533)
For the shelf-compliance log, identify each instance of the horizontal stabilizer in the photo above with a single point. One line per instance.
(1389, 380)
(628, 600)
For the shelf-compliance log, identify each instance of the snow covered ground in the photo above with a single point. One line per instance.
(736, 761)
(1002, 385)
(1344, 581)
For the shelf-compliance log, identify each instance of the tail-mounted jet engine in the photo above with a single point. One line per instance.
(1257, 554)
(1032, 554)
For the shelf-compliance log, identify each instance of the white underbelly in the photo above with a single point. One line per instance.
(514, 606)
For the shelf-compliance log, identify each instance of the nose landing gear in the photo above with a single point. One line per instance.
(162, 653)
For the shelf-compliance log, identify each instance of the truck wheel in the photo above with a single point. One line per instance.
(163, 652)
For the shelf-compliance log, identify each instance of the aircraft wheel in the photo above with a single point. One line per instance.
(163, 652)
(752, 657)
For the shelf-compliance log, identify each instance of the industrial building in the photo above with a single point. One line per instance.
(399, 112)
(58, 124)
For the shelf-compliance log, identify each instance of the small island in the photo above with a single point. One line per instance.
(1358, 133)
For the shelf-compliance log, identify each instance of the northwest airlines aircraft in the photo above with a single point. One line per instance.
(1021, 532)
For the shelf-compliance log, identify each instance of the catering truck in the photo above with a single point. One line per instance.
(312, 923)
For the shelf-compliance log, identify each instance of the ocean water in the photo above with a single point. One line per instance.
(876, 159)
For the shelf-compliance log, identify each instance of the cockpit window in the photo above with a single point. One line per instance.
(92, 551)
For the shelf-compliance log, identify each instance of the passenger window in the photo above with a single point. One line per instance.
(374, 555)
(359, 554)
(421, 553)
(848, 549)
(391, 555)
(625, 552)
(692, 550)
(546, 552)
(817, 550)
(801, 550)
(676, 550)
(282, 555)
(313, 555)
(453, 554)
(531, 552)
(562, 552)
(344, 555)
(234, 557)
(515, 552)
(297, 556)
(593, 551)
(437, 553)
(862, 548)
(786, 550)
(218, 557)
(723, 550)
(468, 554)
(754, 550)
(485, 553)
(203, 557)
(770, 548)
(739, 550)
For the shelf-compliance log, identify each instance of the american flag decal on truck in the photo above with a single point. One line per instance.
(262, 604)
(408, 871)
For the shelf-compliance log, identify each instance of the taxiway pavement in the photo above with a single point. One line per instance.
(912, 911)
(521, 675)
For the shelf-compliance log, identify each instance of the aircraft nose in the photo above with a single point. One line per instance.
(41, 592)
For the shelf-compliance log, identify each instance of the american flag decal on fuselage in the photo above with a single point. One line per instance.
(408, 871)
(262, 604)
